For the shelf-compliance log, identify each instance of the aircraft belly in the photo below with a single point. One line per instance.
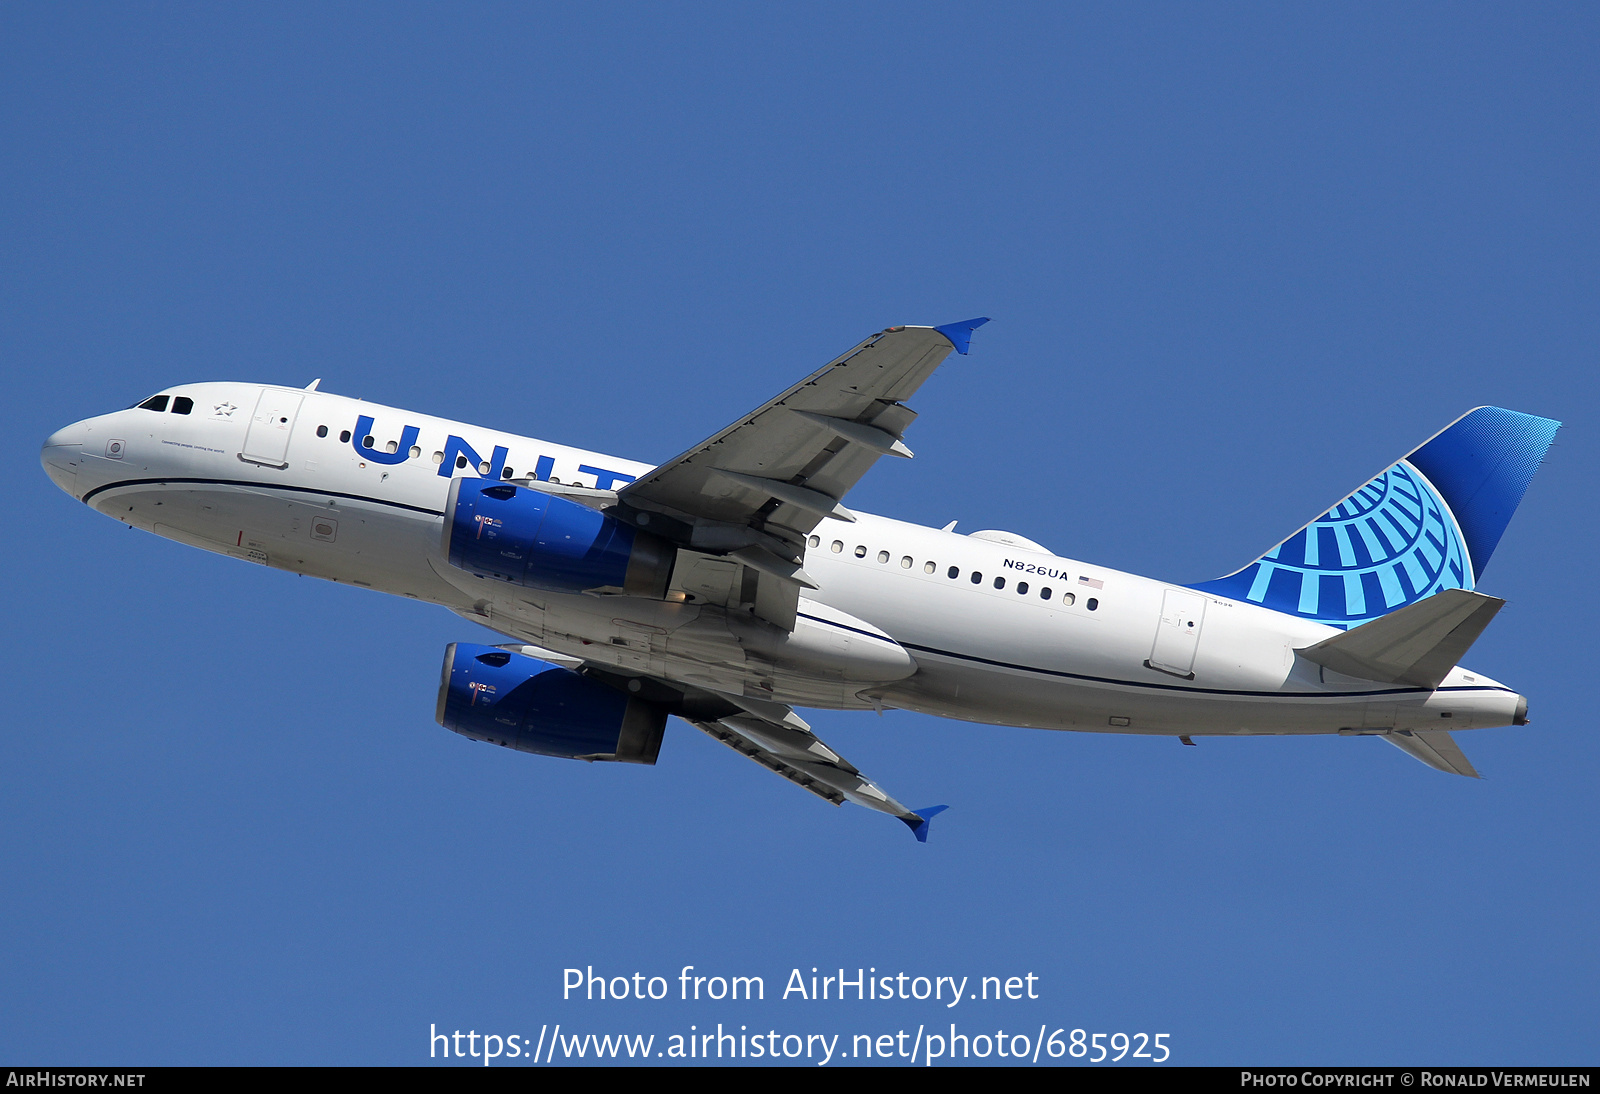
(951, 688)
(700, 645)
(353, 542)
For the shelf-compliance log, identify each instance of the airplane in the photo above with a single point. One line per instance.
(730, 585)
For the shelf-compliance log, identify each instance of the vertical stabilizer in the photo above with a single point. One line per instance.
(1428, 522)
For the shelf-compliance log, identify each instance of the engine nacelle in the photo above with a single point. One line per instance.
(504, 698)
(530, 538)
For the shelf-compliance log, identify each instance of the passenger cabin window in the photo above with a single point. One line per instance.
(883, 556)
(814, 541)
(929, 567)
(322, 431)
(1022, 588)
(837, 546)
(155, 402)
(1091, 604)
(861, 552)
(182, 404)
(999, 583)
(344, 436)
(977, 578)
(905, 563)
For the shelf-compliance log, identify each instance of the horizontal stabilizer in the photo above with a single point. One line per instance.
(1417, 645)
(1434, 747)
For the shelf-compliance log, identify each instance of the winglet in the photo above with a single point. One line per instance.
(960, 334)
(919, 828)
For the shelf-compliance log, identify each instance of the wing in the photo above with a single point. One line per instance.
(771, 734)
(778, 739)
(754, 491)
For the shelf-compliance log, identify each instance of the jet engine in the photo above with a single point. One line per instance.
(530, 538)
(504, 698)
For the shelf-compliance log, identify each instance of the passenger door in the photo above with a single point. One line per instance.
(267, 441)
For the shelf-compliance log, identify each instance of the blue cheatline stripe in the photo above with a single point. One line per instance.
(843, 627)
(1057, 673)
(262, 486)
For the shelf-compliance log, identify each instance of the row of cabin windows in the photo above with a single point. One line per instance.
(182, 404)
(416, 451)
(158, 403)
(954, 572)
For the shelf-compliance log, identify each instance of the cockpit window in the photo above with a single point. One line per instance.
(182, 404)
(155, 402)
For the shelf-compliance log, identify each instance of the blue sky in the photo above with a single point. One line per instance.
(1239, 257)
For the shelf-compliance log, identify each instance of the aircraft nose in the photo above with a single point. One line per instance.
(60, 456)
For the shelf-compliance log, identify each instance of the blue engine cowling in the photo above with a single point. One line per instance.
(504, 698)
(528, 537)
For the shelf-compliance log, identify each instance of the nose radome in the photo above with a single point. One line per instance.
(60, 455)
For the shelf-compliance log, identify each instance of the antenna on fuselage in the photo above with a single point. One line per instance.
(312, 386)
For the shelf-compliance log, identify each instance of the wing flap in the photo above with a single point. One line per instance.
(1417, 645)
(769, 760)
(779, 740)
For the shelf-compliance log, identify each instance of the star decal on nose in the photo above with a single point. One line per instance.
(223, 410)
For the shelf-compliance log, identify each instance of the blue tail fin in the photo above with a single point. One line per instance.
(1429, 522)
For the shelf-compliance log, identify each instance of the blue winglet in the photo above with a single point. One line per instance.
(960, 334)
(927, 815)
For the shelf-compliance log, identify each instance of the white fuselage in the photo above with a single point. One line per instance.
(990, 648)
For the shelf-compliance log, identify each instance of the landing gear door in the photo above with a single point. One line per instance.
(267, 441)
(1178, 635)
